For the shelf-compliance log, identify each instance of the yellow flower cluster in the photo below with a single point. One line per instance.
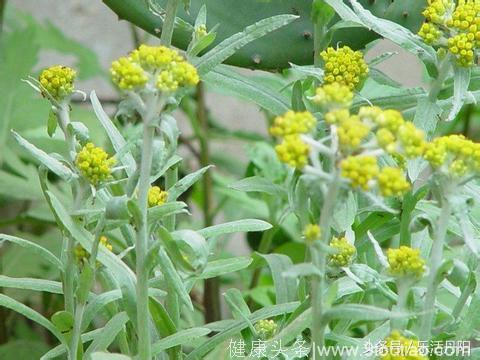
(351, 132)
(392, 182)
(83, 255)
(293, 151)
(344, 66)
(57, 81)
(312, 232)
(454, 154)
(156, 196)
(166, 66)
(405, 261)
(360, 170)
(94, 164)
(399, 347)
(293, 123)
(333, 96)
(458, 22)
(265, 329)
(345, 252)
(127, 74)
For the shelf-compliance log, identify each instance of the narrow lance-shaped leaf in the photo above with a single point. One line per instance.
(229, 46)
(108, 334)
(285, 287)
(118, 142)
(53, 287)
(185, 183)
(228, 82)
(50, 162)
(180, 338)
(461, 81)
(246, 225)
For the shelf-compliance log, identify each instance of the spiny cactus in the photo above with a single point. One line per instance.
(293, 43)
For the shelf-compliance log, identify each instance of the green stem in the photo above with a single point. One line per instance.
(169, 22)
(403, 286)
(141, 247)
(319, 259)
(318, 35)
(462, 300)
(435, 263)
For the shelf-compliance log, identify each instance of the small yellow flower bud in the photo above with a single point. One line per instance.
(359, 170)
(392, 182)
(293, 151)
(333, 96)
(156, 196)
(292, 123)
(94, 164)
(312, 233)
(127, 75)
(351, 132)
(405, 261)
(344, 66)
(58, 81)
(345, 252)
(265, 329)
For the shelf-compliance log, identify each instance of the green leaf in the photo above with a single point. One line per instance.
(108, 333)
(84, 283)
(173, 279)
(225, 266)
(285, 287)
(180, 338)
(156, 213)
(297, 97)
(52, 123)
(229, 46)
(62, 349)
(246, 225)
(29, 313)
(258, 184)
(53, 287)
(193, 246)
(360, 312)
(185, 183)
(297, 326)
(163, 322)
(108, 356)
(235, 327)
(23, 349)
(51, 163)
(300, 270)
(174, 251)
(461, 81)
(117, 140)
(63, 321)
(224, 80)
(35, 248)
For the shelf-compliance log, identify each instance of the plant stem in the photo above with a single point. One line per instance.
(141, 247)
(319, 260)
(80, 309)
(435, 262)
(211, 294)
(169, 22)
(403, 286)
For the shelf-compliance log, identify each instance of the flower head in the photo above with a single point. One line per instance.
(58, 81)
(392, 182)
(292, 123)
(168, 69)
(156, 196)
(344, 66)
(265, 329)
(333, 96)
(399, 347)
(462, 47)
(405, 261)
(94, 164)
(351, 132)
(359, 170)
(345, 252)
(312, 233)
(128, 75)
(293, 151)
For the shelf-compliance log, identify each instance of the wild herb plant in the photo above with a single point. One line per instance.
(380, 203)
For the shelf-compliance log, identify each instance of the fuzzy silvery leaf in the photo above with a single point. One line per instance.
(108, 333)
(245, 225)
(185, 183)
(258, 184)
(461, 81)
(179, 338)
